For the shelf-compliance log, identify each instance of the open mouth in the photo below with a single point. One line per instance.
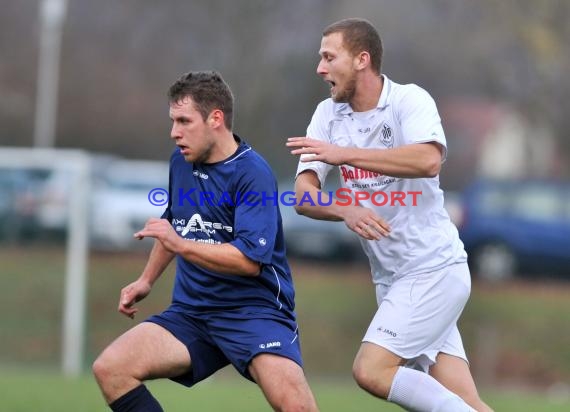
(183, 149)
(331, 84)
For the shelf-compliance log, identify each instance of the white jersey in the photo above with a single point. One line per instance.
(423, 238)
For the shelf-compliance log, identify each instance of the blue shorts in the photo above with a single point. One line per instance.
(216, 340)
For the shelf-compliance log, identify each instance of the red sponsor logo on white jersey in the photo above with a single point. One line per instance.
(354, 173)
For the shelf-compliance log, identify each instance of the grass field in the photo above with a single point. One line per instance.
(45, 392)
(517, 337)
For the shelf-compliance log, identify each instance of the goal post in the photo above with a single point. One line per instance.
(77, 163)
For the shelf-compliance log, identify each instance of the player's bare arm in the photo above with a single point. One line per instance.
(361, 220)
(319, 150)
(410, 161)
(131, 294)
(223, 258)
(158, 260)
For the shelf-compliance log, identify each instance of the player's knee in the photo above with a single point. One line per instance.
(370, 380)
(105, 366)
(294, 398)
(100, 369)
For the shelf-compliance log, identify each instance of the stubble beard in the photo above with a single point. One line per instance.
(203, 156)
(347, 94)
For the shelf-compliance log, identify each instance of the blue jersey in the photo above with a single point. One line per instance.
(232, 201)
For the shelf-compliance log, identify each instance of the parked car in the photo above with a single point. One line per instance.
(118, 200)
(517, 227)
(55, 195)
(121, 204)
(19, 190)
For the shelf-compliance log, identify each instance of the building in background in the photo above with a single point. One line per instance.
(492, 140)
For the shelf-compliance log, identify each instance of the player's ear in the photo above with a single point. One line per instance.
(362, 60)
(216, 118)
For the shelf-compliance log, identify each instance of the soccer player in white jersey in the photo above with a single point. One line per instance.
(389, 144)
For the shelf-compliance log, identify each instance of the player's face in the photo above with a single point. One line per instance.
(336, 67)
(190, 132)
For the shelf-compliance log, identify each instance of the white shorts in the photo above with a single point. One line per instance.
(417, 315)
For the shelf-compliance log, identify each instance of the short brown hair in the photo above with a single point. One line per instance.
(208, 91)
(359, 35)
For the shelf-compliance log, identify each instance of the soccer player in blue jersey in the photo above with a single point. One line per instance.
(233, 297)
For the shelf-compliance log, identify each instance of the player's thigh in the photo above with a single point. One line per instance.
(375, 357)
(147, 351)
(279, 378)
(453, 372)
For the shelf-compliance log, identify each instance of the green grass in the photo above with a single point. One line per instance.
(48, 392)
(517, 336)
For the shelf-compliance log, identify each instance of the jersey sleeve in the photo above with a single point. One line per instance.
(318, 129)
(256, 214)
(419, 119)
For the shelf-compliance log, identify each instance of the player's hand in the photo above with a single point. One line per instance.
(162, 230)
(316, 150)
(365, 223)
(130, 295)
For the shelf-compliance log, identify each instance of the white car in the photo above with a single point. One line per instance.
(132, 192)
(119, 202)
(54, 196)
